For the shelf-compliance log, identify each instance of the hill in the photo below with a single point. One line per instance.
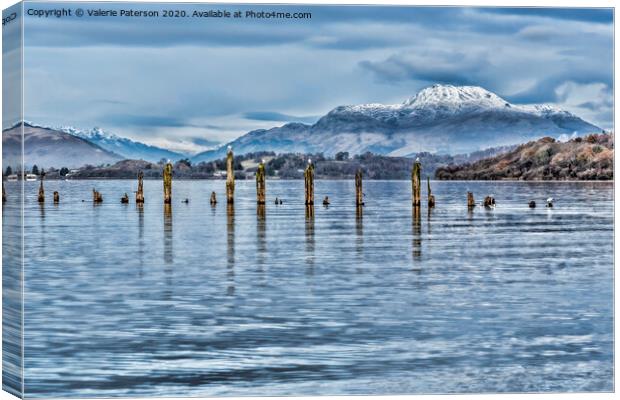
(46, 148)
(589, 158)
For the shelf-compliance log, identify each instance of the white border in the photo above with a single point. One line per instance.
(489, 3)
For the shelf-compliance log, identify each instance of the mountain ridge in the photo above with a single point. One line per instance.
(440, 118)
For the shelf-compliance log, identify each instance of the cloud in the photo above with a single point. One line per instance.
(154, 121)
(212, 79)
(442, 66)
(276, 116)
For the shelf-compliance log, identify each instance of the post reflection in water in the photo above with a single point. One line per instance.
(140, 210)
(261, 237)
(417, 234)
(359, 233)
(230, 248)
(168, 251)
(309, 231)
(43, 230)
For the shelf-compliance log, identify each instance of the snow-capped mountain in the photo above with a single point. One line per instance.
(46, 148)
(127, 148)
(439, 119)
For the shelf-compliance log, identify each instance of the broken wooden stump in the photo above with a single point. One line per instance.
(260, 183)
(41, 197)
(140, 191)
(168, 183)
(309, 184)
(415, 182)
(97, 197)
(56, 197)
(230, 177)
(431, 197)
(359, 194)
(489, 201)
(471, 203)
(213, 199)
(125, 199)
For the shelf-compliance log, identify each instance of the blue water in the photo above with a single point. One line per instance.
(202, 301)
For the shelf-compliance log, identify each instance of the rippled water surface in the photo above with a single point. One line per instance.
(199, 301)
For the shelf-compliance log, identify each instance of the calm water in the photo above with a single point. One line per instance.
(205, 301)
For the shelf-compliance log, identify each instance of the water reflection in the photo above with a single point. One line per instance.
(168, 251)
(140, 210)
(261, 237)
(417, 234)
(230, 248)
(359, 233)
(43, 230)
(309, 232)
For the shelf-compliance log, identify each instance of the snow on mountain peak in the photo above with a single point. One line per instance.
(443, 101)
(454, 96)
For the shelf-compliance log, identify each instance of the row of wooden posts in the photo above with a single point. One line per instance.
(261, 187)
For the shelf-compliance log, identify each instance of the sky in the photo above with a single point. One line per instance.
(187, 83)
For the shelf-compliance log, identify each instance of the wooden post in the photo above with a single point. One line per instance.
(470, 200)
(431, 197)
(359, 194)
(41, 197)
(309, 183)
(260, 183)
(168, 183)
(140, 192)
(213, 200)
(97, 197)
(415, 182)
(230, 177)
(56, 197)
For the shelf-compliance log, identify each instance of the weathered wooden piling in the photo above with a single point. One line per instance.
(168, 183)
(309, 184)
(140, 191)
(415, 182)
(260, 183)
(213, 200)
(359, 194)
(125, 199)
(97, 197)
(431, 197)
(56, 197)
(230, 177)
(471, 203)
(41, 197)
